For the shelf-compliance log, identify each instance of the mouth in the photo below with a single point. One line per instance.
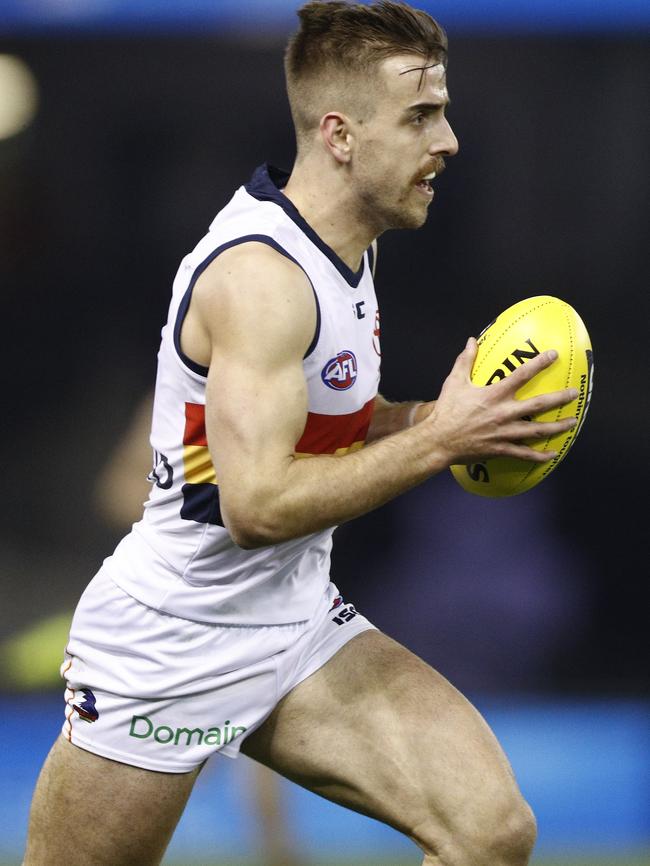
(424, 184)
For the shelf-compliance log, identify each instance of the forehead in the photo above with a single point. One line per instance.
(410, 76)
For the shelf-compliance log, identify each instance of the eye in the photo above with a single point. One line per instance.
(419, 118)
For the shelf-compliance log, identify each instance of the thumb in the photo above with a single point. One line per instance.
(465, 361)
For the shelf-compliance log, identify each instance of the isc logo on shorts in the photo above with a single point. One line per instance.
(344, 614)
(340, 373)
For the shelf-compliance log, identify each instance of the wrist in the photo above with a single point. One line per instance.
(418, 412)
(411, 415)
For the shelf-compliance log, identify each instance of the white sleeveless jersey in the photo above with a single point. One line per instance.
(180, 558)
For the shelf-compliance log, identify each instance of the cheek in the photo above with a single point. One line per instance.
(383, 170)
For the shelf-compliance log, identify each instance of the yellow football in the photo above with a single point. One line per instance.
(520, 333)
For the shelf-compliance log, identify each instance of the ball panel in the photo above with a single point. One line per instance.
(520, 333)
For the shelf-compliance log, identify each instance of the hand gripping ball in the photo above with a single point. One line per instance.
(520, 333)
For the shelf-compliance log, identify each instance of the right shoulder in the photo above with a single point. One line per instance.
(254, 285)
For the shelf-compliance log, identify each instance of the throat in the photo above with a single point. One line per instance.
(338, 226)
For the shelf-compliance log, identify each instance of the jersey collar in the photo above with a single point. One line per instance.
(266, 184)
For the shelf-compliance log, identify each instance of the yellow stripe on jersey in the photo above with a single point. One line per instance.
(197, 465)
(338, 453)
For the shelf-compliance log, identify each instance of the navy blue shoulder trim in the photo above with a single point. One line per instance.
(371, 259)
(265, 185)
(187, 297)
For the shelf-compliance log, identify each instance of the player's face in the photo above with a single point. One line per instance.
(404, 141)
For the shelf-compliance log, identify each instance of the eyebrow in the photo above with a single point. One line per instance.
(427, 106)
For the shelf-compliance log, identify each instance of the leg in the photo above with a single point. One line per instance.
(279, 848)
(379, 731)
(109, 813)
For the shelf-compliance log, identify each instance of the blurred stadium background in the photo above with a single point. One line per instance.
(124, 126)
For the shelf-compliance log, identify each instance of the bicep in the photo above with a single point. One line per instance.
(260, 313)
(255, 414)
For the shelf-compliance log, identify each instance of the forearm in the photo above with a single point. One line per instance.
(317, 492)
(269, 496)
(388, 418)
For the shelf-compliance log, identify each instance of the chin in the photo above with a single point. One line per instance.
(405, 217)
(409, 219)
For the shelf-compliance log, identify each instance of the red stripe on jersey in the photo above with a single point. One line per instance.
(194, 433)
(325, 434)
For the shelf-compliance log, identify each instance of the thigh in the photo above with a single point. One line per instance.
(379, 731)
(108, 813)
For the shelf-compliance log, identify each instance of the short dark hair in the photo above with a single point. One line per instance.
(338, 39)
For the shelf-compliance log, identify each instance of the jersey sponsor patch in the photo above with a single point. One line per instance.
(143, 727)
(340, 373)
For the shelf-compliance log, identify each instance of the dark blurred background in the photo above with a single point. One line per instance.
(143, 129)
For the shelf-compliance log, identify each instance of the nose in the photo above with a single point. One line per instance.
(446, 143)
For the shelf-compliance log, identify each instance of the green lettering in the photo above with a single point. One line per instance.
(147, 733)
(235, 733)
(158, 734)
(142, 727)
(188, 736)
(213, 737)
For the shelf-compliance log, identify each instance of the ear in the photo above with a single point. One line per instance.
(336, 136)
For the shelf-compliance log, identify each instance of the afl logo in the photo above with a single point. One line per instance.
(340, 373)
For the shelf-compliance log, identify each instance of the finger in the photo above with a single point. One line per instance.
(536, 430)
(544, 402)
(528, 370)
(523, 452)
(465, 361)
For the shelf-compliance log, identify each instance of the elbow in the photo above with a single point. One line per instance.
(249, 537)
(252, 528)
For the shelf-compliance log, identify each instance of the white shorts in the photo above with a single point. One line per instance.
(163, 693)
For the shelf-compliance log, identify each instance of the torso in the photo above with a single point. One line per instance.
(180, 558)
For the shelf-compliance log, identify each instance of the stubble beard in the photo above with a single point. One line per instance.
(381, 215)
(382, 211)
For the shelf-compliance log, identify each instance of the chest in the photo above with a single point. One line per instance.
(342, 371)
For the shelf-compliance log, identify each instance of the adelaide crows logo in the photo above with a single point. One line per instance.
(86, 708)
(340, 373)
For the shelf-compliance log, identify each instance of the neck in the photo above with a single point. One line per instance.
(322, 194)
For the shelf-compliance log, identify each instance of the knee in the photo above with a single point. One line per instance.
(512, 838)
(498, 832)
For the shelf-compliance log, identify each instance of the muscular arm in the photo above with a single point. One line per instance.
(259, 313)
